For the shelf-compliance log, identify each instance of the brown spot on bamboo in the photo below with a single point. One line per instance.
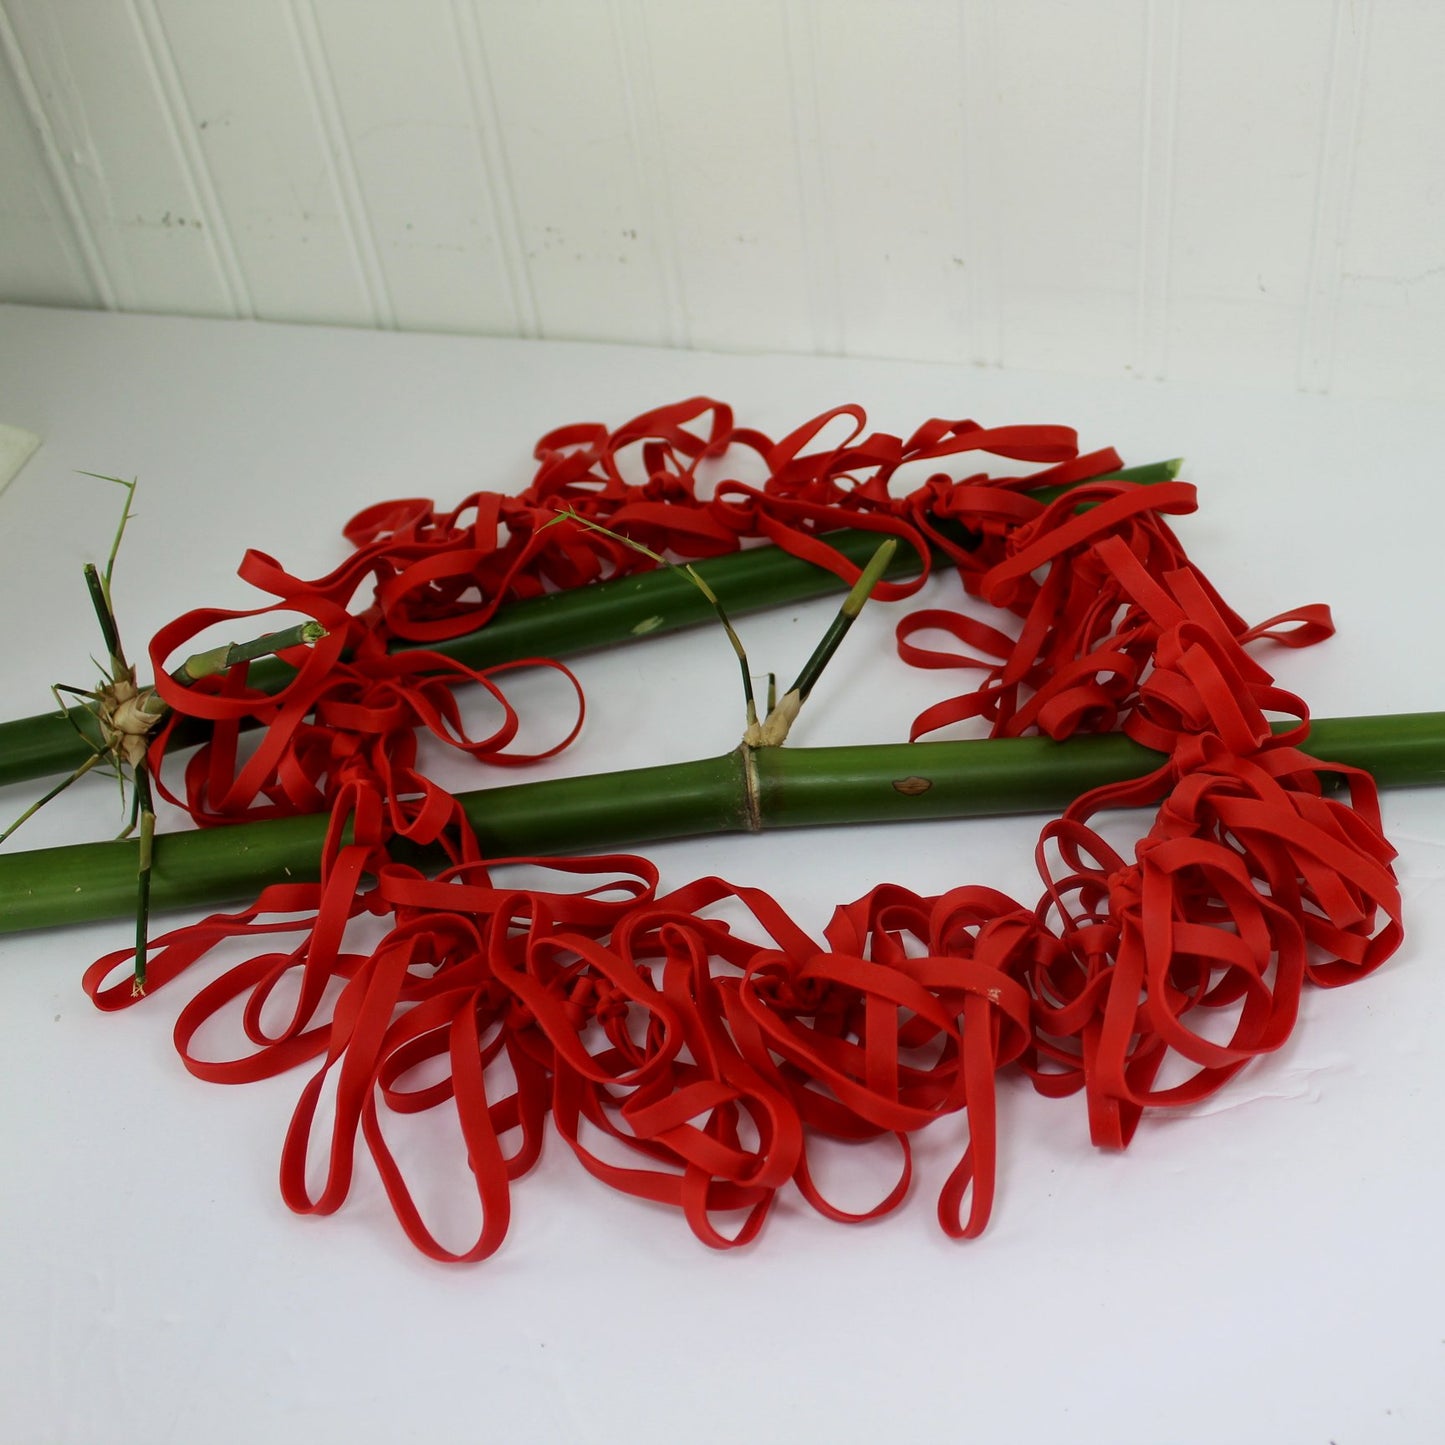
(912, 787)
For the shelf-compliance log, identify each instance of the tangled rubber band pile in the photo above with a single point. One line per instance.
(714, 1057)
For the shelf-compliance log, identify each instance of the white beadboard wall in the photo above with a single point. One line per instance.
(1214, 189)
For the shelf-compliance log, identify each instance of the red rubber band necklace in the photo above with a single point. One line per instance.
(698, 1062)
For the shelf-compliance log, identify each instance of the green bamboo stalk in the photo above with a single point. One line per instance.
(845, 617)
(743, 791)
(232, 654)
(562, 624)
(782, 714)
(100, 599)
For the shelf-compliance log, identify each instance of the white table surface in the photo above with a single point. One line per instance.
(1266, 1267)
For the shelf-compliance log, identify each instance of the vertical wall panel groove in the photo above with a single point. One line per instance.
(1245, 191)
(254, 123)
(882, 177)
(112, 130)
(81, 234)
(338, 145)
(492, 161)
(1334, 184)
(403, 100)
(1389, 310)
(586, 213)
(40, 259)
(977, 245)
(1156, 185)
(639, 90)
(178, 119)
(811, 153)
(722, 87)
(1063, 148)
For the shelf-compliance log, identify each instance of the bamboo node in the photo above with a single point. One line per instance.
(752, 789)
